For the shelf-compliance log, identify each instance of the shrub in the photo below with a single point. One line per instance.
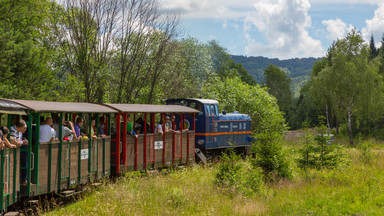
(271, 157)
(229, 169)
(365, 148)
(319, 152)
(234, 172)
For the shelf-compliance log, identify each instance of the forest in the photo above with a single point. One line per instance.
(134, 52)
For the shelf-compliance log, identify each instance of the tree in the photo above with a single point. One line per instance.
(350, 82)
(25, 57)
(373, 50)
(235, 95)
(278, 84)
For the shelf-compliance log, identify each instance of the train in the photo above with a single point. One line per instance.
(197, 131)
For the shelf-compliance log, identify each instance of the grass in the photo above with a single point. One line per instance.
(355, 189)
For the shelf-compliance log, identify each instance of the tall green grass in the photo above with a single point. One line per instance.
(355, 189)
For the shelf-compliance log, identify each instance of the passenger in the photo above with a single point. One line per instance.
(47, 133)
(102, 127)
(1, 140)
(79, 123)
(93, 129)
(140, 123)
(4, 132)
(136, 132)
(17, 133)
(159, 128)
(129, 125)
(68, 130)
(171, 123)
(168, 125)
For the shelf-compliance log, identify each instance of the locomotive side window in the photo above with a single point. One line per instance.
(240, 126)
(213, 111)
(207, 110)
(245, 125)
(216, 110)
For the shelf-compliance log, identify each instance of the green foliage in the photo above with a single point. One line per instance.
(225, 67)
(298, 68)
(25, 58)
(229, 169)
(234, 95)
(233, 172)
(271, 157)
(365, 149)
(322, 153)
(306, 159)
(346, 84)
(278, 84)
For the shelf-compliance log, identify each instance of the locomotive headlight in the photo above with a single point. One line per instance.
(200, 142)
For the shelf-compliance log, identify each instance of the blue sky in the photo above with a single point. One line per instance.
(278, 28)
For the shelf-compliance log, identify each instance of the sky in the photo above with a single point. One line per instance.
(281, 29)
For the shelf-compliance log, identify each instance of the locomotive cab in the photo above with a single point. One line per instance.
(214, 131)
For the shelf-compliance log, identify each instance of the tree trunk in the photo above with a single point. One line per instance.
(350, 126)
(337, 125)
(327, 116)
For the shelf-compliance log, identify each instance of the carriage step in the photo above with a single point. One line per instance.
(201, 155)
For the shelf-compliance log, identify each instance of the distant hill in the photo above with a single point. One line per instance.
(298, 69)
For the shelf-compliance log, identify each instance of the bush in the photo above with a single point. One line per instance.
(365, 148)
(234, 172)
(320, 152)
(271, 157)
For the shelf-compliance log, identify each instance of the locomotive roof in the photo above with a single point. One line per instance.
(203, 101)
(148, 108)
(44, 106)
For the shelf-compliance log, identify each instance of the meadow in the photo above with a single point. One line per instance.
(355, 188)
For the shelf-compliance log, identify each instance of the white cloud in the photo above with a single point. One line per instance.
(375, 26)
(219, 9)
(345, 1)
(337, 28)
(284, 24)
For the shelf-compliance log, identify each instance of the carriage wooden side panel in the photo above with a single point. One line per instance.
(131, 153)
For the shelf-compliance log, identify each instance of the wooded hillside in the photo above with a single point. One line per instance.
(298, 69)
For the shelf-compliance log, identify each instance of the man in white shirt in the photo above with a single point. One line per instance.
(47, 133)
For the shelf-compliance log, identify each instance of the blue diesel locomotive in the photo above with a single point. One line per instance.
(217, 131)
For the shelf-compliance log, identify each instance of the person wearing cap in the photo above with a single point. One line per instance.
(167, 125)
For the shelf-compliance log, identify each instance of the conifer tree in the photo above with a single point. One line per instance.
(372, 46)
